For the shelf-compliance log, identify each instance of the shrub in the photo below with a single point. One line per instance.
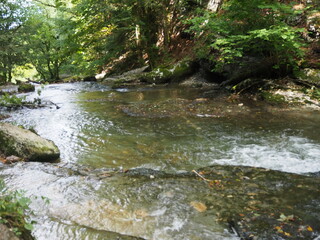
(14, 211)
(26, 87)
(279, 44)
(11, 101)
(249, 28)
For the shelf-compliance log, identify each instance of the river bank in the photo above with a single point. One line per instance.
(302, 90)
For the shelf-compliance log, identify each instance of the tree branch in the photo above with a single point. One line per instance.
(45, 4)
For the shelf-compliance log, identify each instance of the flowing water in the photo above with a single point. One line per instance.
(100, 137)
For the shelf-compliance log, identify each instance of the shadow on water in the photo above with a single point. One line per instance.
(165, 133)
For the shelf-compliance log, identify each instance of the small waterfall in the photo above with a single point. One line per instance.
(213, 5)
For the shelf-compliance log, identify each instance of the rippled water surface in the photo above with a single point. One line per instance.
(94, 134)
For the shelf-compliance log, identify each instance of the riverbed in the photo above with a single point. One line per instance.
(127, 161)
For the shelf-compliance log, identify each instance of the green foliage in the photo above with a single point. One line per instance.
(272, 97)
(79, 37)
(316, 93)
(24, 72)
(26, 87)
(280, 44)
(13, 14)
(11, 101)
(14, 212)
(48, 45)
(111, 29)
(251, 28)
(312, 92)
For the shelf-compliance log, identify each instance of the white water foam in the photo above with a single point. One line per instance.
(292, 154)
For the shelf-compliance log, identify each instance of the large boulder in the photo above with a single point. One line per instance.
(173, 73)
(26, 144)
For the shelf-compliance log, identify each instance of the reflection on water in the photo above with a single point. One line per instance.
(91, 131)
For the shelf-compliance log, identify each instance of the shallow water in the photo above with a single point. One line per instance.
(94, 134)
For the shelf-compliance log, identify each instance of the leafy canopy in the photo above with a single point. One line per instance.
(250, 28)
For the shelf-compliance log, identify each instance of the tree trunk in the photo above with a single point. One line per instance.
(10, 68)
(56, 69)
(213, 5)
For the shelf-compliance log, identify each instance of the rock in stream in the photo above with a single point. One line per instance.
(26, 144)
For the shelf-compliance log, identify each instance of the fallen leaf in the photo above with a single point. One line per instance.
(199, 206)
(284, 218)
(309, 229)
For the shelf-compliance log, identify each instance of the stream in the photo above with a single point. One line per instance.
(127, 161)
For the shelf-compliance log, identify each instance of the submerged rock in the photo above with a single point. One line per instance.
(255, 203)
(260, 203)
(26, 144)
(112, 218)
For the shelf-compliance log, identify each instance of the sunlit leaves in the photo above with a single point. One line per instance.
(13, 15)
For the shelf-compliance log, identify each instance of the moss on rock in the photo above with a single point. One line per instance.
(26, 87)
(72, 79)
(26, 144)
(123, 82)
(273, 97)
(174, 73)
